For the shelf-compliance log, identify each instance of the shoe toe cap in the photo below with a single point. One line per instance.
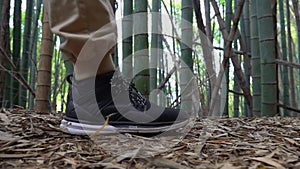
(176, 115)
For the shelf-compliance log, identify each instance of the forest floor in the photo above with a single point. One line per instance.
(33, 140)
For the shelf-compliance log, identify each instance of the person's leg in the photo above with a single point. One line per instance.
(84, 24)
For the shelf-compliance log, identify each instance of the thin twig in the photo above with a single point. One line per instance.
(15, 74)
(282, 62)
(186, 86)
(164, 81)
(236, 93)
(7, 58)
(289, 108)
(220, 48)
(19, 78)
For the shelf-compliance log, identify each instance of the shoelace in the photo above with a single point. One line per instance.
(120, 83)
(136, 98)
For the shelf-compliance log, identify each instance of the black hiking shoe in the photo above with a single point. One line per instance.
(118, 108)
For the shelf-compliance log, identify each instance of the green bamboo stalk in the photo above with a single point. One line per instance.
(236, 99)
(127, 42)
(141, 54)
(297, 18)
(186, 53)
(172, 9)
(26, 52)
(285, 74)
(246, 16)
(294, 48)
(268, 54)
(5, 45)
(17, 20)
(156, 45)
(246, 26)
(236, 88)
(210, 37)
(255, 52)
(243, 40)
(114, 54)
(290, 55)
(34, 42)
(187, 33)
(56, 67)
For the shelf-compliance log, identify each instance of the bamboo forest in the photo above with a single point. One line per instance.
(233, 62)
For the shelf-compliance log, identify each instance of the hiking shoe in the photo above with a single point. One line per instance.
(113, 105)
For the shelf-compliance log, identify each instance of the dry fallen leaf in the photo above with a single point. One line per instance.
(4, 118)
(34, 139)
(269, 161)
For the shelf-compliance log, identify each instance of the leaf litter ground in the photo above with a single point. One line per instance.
(33, 140)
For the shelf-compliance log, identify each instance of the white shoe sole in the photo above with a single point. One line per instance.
(87, 129)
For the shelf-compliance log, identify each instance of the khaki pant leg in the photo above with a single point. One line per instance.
(89, 30)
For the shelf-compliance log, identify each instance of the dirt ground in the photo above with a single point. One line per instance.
(33, 140)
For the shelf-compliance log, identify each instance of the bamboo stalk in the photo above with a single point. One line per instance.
(42, 102)
(285, 74)
(26, 51)
(292, 79)
(268, 52)
(255, 52)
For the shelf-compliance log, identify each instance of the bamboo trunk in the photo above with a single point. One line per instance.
(33, 60)
(285, 74)
(4, 43)
(26, 52)
(291, 56)
(141, 53)
(127, 32)
(186, 55)
(174, 50)
(236, 88)
(210, 37)
(16, 50)
(267, 43)
(156, 46)
(255, 52)
(246, 64)
(297, 18)
(42, 102)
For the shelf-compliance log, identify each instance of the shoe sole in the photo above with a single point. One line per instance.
(87, 129)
